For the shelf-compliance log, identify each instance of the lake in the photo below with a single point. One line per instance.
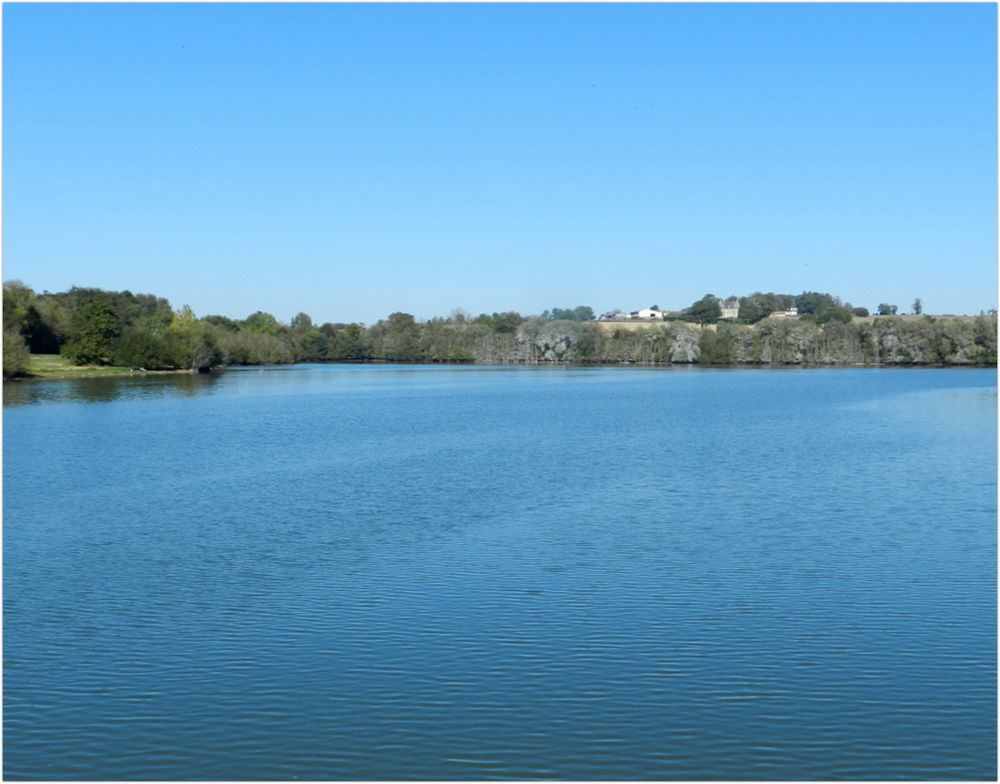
(457, 572)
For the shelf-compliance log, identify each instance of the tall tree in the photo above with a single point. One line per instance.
(191, 343)
(706, 310)
(94, 329)
(301, 322)
(262, 322)
(813, 303)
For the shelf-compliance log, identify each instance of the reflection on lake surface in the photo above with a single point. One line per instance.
(104, 390)
(391, 572)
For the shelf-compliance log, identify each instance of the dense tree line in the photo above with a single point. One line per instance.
(810, 305)
(96, 327)
(881, 341)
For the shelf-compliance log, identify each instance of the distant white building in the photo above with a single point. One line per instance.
(730, 307)
(647, 313)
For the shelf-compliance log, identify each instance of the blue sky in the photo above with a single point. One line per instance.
(353, 160)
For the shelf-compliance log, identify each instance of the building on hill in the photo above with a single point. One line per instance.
(647, 313)
(729, 307)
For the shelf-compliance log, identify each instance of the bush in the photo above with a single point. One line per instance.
(139, 348)
(835, 313)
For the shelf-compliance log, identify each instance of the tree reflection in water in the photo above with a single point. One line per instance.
(105, 390)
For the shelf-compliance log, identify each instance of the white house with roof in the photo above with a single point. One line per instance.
(647, 313)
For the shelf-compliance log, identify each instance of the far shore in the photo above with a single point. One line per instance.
(55, 368)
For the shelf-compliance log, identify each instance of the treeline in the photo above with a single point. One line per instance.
(926, 340)
(96, 327)
(92, 326)
(817, 306)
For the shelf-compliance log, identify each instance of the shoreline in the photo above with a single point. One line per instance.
(98, 371)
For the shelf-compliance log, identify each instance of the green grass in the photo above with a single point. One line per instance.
(53, 366)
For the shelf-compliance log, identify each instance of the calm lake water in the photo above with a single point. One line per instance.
(397, 572)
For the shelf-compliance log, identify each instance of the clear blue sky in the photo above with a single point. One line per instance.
(350, 161)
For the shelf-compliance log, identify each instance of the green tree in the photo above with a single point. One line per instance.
(18, 304)
(918, 306)
(191, 343)
(94, 329)
(307, 342)
(262, 322)
(985, 339)
(717, 348)
(862, 312)
(885, 309)
(141, 348)
(224, 322)
(706, 310)
(579, 313)
(400, 337)
(813, 303)
(350, 341)
(588, 341)
(756, 307)
(22, 314)
(15, 354)
(507, 323)
(835, 313)
(312, 346)
(301, 322)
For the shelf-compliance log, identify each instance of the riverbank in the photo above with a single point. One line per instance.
(53, 367)
(46, 367)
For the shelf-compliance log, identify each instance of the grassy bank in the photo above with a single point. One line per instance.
(53, 366)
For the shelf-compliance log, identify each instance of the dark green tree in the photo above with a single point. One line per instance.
(756, 307)
(22, 314)
(705, 311)
(400, 337)
(225, 322)
(835, 313)
(141, 348)
(507, 323)
(350, 341)
(94, 329)
(813, 303)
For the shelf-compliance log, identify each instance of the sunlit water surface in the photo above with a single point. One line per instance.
(393, 572)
